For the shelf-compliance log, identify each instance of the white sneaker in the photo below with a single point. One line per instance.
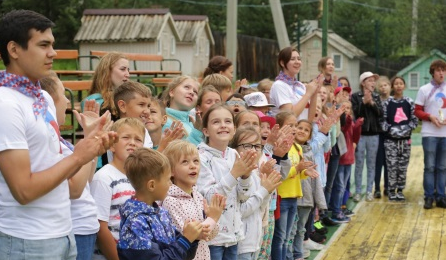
(369, 197)
(357, 197)
(306, 253)
(311, 245)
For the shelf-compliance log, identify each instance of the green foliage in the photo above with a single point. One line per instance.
(355, 20)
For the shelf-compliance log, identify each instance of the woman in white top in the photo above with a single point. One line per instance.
(287, 93)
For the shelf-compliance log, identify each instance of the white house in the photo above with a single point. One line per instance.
(148, 31)
(345, 56)
(196, 39)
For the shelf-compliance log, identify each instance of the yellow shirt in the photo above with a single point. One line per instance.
(291, 186)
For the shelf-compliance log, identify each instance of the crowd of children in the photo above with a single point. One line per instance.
(207, 171)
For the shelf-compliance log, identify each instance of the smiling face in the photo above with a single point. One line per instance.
(329, 67)
(36, 61)
(250, 139)
(220, 128)
(184, 96)
(186, 170)
(303, 132)
(208, 100)
(157, 119)
(120, 72)
(138, 107)
(369, 83)
(130, 138)
(292, 122)
(292, 67)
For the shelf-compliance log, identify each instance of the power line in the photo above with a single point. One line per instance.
(367, 5)
(247, 5)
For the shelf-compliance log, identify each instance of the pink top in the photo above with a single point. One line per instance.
(183, 206)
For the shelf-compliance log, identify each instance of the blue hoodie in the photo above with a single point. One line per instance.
(147, 232)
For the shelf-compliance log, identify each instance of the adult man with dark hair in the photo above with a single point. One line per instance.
(430, 108)
(34, 198)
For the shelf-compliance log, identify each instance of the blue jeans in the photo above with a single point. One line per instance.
(223, 253)
(85, 246)
(434, 149)
(332, 168)
(296, 250)
(248, 256)
(367, 148)
(282, 228)
(380, 163)
(13, 248)
(339, 186)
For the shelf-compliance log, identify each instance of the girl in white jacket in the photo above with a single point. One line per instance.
(264, 181)
(224, 172)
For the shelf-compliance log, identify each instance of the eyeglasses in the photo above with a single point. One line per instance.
(257, 147)
(235, 102)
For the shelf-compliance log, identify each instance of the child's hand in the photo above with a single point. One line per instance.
(176, 131)
(205, 232)
(271, 182)
(216, 207)
(267, 167)
(283, 145)
(360, 121)
(274, 134)
(304, 165)
(245, 164)
(311, 172)
(192, 230)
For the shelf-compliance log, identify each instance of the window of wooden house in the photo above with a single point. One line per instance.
(337, 59)
(414, 80)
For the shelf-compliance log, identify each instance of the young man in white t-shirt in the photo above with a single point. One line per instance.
(35, 198)
(430, 108)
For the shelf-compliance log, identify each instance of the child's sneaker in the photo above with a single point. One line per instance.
(328, 222)
(348, 212)
(400, 196)
(392, 196)
(320, 228)
(340, 218)
(369, 197)
(377, 194)
(357, 197)
(318, 238)
(311, 245)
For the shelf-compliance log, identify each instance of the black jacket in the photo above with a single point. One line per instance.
(372, 114)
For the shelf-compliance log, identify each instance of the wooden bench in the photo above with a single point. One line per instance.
(140, 57)
(74, 56)
(79, 86)
(160, 84)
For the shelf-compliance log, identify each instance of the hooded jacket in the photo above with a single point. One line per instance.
(147, 232)
(215, 177)
(183, 206)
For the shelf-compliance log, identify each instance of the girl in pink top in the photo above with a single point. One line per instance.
(183, 200)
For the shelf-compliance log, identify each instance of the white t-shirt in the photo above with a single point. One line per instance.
(110, 188)
(48, 216)
(281, 93)
(432, 106)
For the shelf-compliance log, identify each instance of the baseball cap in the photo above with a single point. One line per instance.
(257, 99)
(265, 118)
(367, 74)
(339, 89)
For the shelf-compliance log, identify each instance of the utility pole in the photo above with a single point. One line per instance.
(377, 46)
(324, 27)
(413, 38)
(231, 34)
(279, 23)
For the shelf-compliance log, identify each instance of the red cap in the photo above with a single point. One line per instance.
(338, 89)
(268, 119)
